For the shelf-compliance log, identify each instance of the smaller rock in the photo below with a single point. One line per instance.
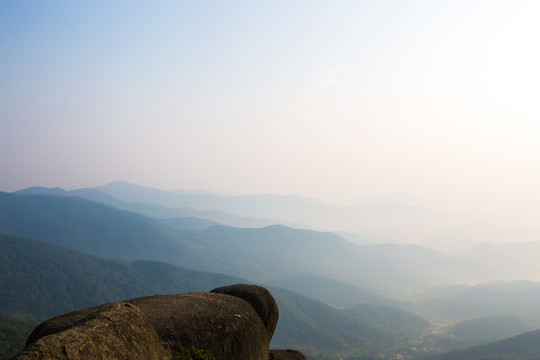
(259, 298)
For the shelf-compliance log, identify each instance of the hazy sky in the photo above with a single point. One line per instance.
(336, 100)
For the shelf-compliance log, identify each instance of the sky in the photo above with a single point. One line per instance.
(435, 102)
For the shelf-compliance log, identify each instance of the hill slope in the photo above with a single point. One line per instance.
(489, 329)
(522, 347)
(279, 252)
(404, 324)
(40, 280)
(310, 325)
(95, 228)
(333, 292)
(274, 252)
(462, 303)
(13, 334)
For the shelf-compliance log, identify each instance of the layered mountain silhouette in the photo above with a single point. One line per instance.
(261, 254)
(399, 220)
(39, 280)
(85, 247)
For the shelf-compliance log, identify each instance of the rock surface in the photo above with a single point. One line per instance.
(111, 331)
(260, 300)
(232, 322)
(227, 326)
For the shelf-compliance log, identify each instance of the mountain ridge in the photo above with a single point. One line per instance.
(44, 280)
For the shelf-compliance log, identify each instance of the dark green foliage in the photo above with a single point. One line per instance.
(13, 334)
(40, 280)
(192, 353)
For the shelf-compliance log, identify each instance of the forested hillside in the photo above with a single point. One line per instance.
(94, 228)
(40, 280)
(13, 334)
(46, 278)
(313, 326)
(273, 252)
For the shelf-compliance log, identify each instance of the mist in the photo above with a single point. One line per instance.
(387, 150)
(433, 101)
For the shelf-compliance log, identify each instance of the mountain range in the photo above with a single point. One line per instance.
(40, 280)
(259, 254)
(380, 222)
(71, 249)
(397, 220)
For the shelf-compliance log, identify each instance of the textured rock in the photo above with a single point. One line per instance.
(260, 300)
(110, 331)
(227, 326)
(286, 355)
(233, 322)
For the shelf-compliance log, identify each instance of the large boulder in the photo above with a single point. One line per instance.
(111, 331)
(232, 322)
